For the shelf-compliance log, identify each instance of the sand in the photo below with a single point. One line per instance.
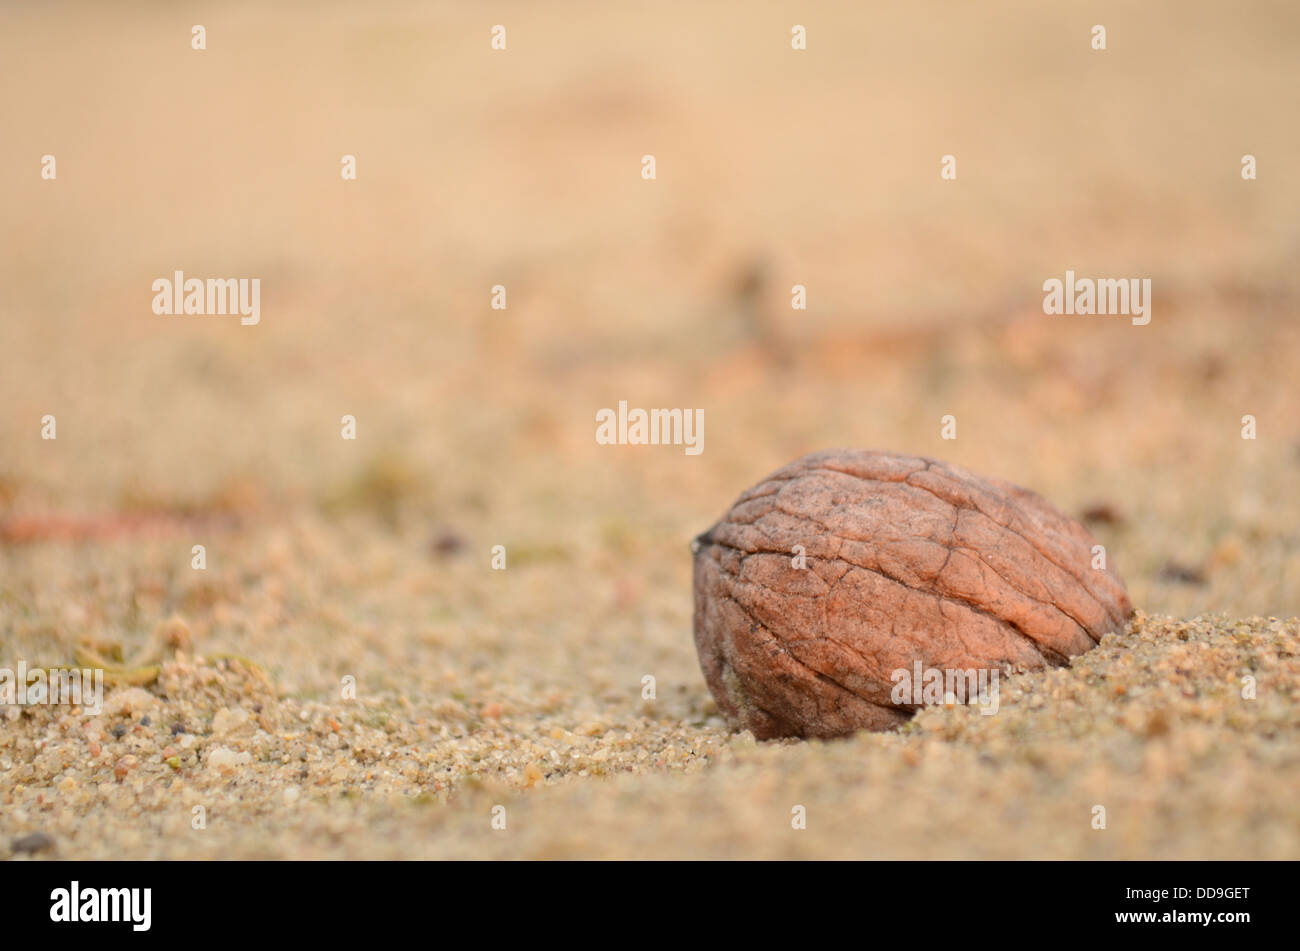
(1151, 727)
(366, 564)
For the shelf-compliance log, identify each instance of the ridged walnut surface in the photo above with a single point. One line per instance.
(907, 559)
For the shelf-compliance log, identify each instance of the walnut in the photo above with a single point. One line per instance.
(847, 566)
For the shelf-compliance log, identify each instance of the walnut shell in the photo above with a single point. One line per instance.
(906, 559)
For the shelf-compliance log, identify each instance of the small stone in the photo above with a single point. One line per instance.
(743, 740)
(33, 843)
(224, 760)
(228, 720)
(124, 766)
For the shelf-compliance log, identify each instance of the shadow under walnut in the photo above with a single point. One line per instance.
(848, 565)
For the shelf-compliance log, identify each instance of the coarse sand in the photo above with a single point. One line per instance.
(341, 672)
(1158, 727)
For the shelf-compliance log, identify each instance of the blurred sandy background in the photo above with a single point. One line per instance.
(476, 427)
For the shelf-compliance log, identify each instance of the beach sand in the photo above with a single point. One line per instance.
(349, 677)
